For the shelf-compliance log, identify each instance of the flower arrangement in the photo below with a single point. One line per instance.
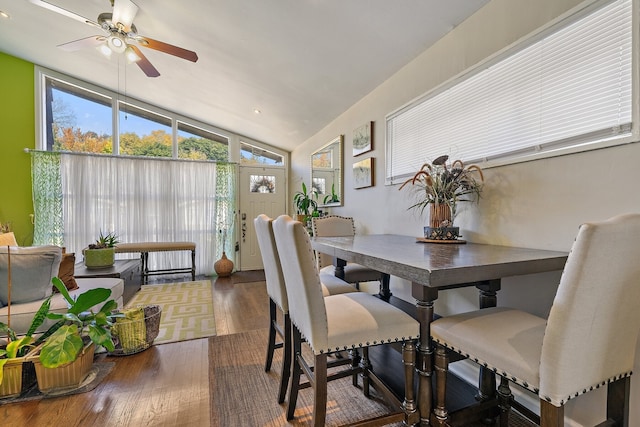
(438, 184)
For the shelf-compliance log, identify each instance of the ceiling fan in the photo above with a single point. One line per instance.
(121, 35)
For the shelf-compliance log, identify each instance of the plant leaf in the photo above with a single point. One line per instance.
(2, 363)
(62, 289)
(88, 299)
(62, 347)
(38, 318)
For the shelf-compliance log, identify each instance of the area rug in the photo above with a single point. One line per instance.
(187, 309)
(243, 394)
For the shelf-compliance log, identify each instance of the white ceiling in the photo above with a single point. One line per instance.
(300, 62)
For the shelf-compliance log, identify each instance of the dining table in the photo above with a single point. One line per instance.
(431, 267)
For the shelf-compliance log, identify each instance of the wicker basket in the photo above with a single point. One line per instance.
(134, 336)
(12, 378)
(19, 375)
(64, 377)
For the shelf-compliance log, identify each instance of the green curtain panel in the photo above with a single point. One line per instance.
(47, 198)
(226, 194)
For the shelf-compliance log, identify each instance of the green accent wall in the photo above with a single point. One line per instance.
(17, 132)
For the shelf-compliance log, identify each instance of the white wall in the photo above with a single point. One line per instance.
(538, 204)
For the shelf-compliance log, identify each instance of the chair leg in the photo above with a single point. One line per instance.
(320, 390)
(441, 368)
(296, 371)
(286, 359)
(551, 416)
(618, 401)
(354, 355)
(504, 401)
(271, 342)
(365, 364)
(409, 362)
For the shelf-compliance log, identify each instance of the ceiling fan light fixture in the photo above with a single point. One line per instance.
(131, 54)
(105, 50)
(116, 43)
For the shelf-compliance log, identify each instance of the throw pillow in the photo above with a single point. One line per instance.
(32, 269)
(8, 239)
(67, 271)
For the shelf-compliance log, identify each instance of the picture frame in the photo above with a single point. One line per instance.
(363, 173)
(363, 139)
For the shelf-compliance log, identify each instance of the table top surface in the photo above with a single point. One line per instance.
(119, 267)
(436, 264)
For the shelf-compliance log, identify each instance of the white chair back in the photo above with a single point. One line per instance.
(331, 226)
(593, 325)
(271, 262)
(307, 309)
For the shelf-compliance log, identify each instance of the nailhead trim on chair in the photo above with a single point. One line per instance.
(382, 341)
(524, 383)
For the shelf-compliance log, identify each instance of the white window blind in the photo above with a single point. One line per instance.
(571, 87)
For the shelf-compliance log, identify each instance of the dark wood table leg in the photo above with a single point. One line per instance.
(425, 296)
(339, 265)
(385, 292)
(488, 298)
(193, 265)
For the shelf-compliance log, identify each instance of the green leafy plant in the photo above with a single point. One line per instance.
(304, 201)
(439, 183)
(333, 197)
(108, 240)
(19, 347)
(64, 341)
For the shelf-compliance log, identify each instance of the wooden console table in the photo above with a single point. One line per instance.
(128, 270)
(432, 267)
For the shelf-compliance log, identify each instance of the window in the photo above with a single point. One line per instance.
(77, 119)
(77, 116)
(199, 144)
(568, 87)
(144, 133)
(252, 155)
(262, 184)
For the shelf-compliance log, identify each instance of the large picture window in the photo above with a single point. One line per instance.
(78, 117)
(567, 88)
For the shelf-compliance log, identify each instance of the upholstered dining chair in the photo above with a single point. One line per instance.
(337, 226)
(337, 323)
(278, 299)
(588, 341)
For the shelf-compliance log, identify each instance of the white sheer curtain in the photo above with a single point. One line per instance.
(142, 199)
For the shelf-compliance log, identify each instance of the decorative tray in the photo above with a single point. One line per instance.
(425, 240)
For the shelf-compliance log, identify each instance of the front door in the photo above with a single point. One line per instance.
(263, 190)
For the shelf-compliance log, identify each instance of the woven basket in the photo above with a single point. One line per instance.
(64, 377)
(134, 336)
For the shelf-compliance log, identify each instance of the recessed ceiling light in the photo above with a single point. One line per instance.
(256, 111)
(4, 14)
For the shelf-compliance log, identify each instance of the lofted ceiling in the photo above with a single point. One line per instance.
(300, 62)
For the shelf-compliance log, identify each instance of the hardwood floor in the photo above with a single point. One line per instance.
(166, 385)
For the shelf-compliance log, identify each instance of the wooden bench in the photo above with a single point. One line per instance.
(145, 247)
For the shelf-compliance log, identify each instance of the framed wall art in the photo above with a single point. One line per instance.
(363, 173)
(363, 139)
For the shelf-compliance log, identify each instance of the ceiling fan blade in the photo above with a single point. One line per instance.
(64, 12)
(144, 63)
(124, 11)
(86, 42)
(189, 55)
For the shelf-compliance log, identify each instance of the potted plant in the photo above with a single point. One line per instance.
(305, 203)
(101, 254)
(16, 372)
(333, 197)
(442, 187)
(66, 354)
